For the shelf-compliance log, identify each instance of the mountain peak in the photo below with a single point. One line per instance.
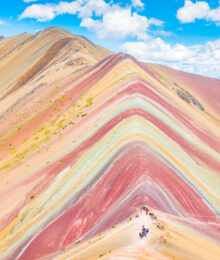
(54, 31)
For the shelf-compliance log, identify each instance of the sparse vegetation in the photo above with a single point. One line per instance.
(110, 100)
(13, 151)
(89, 101)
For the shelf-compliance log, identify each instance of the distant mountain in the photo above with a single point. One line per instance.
(1, 37)
(34, 55)
(88, 137)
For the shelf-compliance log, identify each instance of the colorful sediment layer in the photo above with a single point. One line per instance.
(87, 136)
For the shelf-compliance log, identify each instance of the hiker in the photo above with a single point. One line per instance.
(160, 226)
(152, 216)
(145, 231)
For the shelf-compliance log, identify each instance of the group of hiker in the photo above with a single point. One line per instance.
(153, 217)
(156, 222)
(144, 232)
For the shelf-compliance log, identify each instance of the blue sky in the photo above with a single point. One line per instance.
(184, 34)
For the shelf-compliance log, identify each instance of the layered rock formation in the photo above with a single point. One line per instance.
(87, 136)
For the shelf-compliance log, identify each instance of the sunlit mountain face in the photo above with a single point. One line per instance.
(95, 144)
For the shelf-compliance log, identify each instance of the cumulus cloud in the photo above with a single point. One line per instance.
(202, 59)
(118, 23)
(47, 12)
(40, 12)
(89, 7)
(198, 10)
(107, 20)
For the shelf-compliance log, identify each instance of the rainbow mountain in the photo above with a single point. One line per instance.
(87, 136)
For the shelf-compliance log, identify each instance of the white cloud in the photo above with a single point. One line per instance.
(118, 23)
(90, 7)
(40, 12)
(28, 1)
(155, 21)
(214, 14)
(114, 21)
(137, 3)
(157, 50)
(202, 59)
(163, 33)
(107, 20)
(198, 10)
(47, 12)
(67, 8)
